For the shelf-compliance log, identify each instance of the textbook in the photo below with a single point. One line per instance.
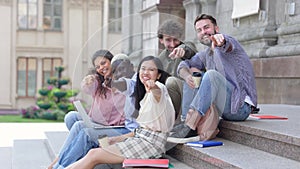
(155, 163)
(264, 116)
(202, 144)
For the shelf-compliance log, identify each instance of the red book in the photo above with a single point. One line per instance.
(265, 116)
(159, 163)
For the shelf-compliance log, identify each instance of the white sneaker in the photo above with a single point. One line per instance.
(182, 140)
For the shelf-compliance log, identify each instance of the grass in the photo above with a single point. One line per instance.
(20, 119)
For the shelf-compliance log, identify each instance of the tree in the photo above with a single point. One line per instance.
(55, 100)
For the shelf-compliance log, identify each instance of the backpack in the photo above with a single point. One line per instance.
(207, 125)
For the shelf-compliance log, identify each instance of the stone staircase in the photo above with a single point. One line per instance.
(252, 144)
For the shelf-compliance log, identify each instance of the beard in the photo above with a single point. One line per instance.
(205, 40)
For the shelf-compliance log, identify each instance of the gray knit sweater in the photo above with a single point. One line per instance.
(234, 65)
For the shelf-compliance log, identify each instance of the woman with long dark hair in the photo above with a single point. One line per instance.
(156, 119)
(107, 109)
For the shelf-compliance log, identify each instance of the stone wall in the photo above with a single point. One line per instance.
(271, 37)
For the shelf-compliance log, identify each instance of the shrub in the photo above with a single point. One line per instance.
(31, 112)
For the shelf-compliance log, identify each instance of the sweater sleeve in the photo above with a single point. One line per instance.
(197, 61)
(189, 48)
(89, 88)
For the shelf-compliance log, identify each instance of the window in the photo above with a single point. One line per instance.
(49, 65)
(52, 19)
(115, 16)
(244, 8)
(27, 14)
(26, 73)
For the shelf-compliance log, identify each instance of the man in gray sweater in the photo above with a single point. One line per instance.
(170, 34)
(229, 83)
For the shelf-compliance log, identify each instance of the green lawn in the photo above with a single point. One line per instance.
(19, 119)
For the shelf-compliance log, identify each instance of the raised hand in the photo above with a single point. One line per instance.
(89, 79)
(217, 40)
(177, 53)
(150, 84)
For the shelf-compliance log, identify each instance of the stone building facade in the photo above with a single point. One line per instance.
(269, 32)
(37, 35)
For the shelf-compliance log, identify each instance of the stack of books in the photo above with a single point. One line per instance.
(146, 163)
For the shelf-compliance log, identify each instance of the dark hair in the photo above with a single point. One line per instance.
(172, 28)
(106, 54)
(102, 53)
(139, 90)
(205, 16)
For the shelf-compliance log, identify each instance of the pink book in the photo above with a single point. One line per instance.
(265, 116)
(159, 163)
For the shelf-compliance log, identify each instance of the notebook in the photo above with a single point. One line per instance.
(152, 163)
(202, 144)
(265, 116)
(86, 119)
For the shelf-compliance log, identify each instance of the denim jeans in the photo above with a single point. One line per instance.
(215, 89)
(75, 125)
(187, 98)
(71, 118)
(86, 139)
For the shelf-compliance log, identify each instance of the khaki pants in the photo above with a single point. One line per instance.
(207, 125)
(174, 86)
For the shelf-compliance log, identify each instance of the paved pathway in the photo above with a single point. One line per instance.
(12, 131)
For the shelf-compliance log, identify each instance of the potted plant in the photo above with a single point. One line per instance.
(44, 105)
(52, 80)
(59, 69)
(63, 81)
(72, 92)
(63, 106)
(44, 91)
(59, 93)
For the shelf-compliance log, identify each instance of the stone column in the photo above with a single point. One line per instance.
(288, 32)
(279, 74)
(193, 9)
(257, 32)
(208, 7)
(132, 30)
(7, 54)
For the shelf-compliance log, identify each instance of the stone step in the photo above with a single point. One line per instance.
(251, 143)
(230, 155)
(30, 154)
(280, 137)
(6, 157)
(55, 140)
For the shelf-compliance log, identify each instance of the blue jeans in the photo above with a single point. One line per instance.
(71, 118)
(86, 139)
(75, 125)
(215, 89)
(187, 97)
